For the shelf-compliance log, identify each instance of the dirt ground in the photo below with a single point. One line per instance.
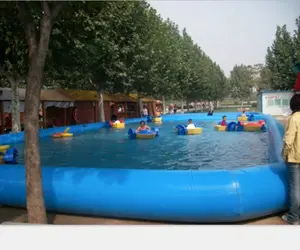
(9, 214)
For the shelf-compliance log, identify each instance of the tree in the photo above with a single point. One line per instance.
(279, 60)
(296, 40)
(241, 82)
(262, 77)
(13, 63)
(37, 37)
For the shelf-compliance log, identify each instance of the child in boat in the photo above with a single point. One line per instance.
(243, 114)
(114, 119)
(190, 125)
(142, 127)
(223, 122)
(291, 156)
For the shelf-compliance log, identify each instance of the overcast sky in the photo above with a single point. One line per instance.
(231, 32)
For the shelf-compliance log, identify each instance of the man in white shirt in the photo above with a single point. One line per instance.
(190, 125)
(145, 111)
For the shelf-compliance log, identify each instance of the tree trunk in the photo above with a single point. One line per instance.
(182, 105)
(140, 105)
(34, 191)
(101, 106)
(38, 43)
(15, 104)
(164, 104)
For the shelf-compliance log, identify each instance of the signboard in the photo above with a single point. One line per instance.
(276, 102)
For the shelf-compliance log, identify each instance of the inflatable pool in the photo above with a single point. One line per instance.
(198, 196)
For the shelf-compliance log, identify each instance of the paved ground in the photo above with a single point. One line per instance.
(19, 215)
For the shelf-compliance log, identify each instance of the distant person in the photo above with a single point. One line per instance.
(190, 125)
(291, 156)
(223, 122)
(142, 127)
(210, 113)
(113, 117)
(144, 111)
(243, 114)
(74, 117)
(175, 108)
(211, 106)
(7, 124)
(203, 107)
(54, 122)
(40, 114)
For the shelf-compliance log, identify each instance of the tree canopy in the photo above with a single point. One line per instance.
(118, 47)
(282, 55)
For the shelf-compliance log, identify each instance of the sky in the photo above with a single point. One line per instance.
(231, 32)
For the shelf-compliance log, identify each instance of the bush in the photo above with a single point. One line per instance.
(254, 105)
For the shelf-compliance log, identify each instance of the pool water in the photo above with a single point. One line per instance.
(111, 148)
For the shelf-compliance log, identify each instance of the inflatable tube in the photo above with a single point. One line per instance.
(194, 131)
(220, 128)
(198, 196)
(8, 155)
(61, 135)
(251, 117)
(118, 125)
(157, 119)
(182, 130)
(243, 119)
(255, 126)
(180, 196)
(144, 134)
(232, 126)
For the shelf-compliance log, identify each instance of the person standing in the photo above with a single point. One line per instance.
(74, 117)
(175, 108)
(291, 156)
(211, 106)
(144, 111)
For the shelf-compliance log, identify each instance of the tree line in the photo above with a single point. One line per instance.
(116, 47)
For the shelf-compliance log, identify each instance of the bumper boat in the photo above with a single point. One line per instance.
(8, 155)
(220, 128)
(248, 127)
(245, 118)
(254, 126)
(145, 134)
(182, 130)
(155, 119)
(64, 134)
(118, 125)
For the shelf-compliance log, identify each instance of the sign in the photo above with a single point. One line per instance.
(273, 97)
(276, 103)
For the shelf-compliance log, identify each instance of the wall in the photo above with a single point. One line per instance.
(86, 112)
(276, 102)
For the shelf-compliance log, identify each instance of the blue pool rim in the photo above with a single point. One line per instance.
(193, 196)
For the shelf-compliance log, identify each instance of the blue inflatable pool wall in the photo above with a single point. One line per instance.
(207, 196)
